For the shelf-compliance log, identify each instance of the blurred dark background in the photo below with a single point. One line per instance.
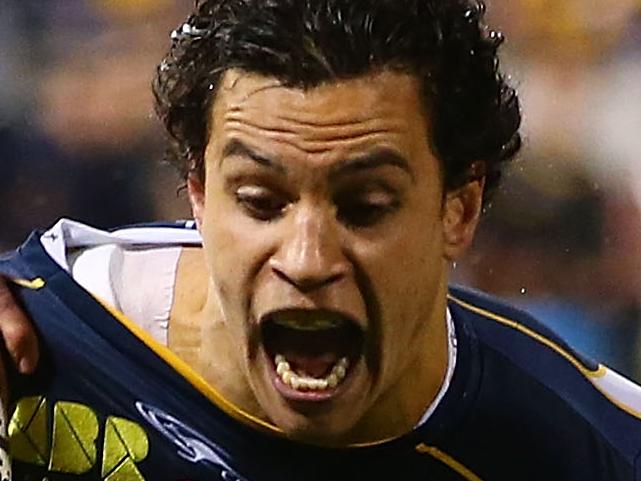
(562, 238)
(77, 133)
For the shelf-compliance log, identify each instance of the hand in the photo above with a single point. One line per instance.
(17, 332)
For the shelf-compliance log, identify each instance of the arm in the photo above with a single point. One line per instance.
(22, 345)
(20, 341)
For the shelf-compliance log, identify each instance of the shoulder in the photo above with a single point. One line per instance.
(544, 378)
(500, 324)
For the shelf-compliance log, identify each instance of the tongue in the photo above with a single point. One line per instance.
(313, 353)
(317, 366)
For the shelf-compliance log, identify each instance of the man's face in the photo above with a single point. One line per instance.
(327, 236)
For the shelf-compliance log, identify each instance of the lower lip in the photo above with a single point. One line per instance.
(291, 394)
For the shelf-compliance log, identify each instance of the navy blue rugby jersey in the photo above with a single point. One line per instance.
(109, 403)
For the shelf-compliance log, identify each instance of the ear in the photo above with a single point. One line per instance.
(196, 190)
(461, 213)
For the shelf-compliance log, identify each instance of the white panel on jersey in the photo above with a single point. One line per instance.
(95, 269)
(68, 234)
(107, 264)
(621, 391)
(152, 273)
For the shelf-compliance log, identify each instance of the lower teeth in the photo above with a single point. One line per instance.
(304, 382)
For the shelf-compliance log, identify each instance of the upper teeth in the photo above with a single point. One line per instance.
(304, 382)
(317, 323)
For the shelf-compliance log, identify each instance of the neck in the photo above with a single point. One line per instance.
(198, 336)
(403, 405)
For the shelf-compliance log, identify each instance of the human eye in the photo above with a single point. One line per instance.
(260, 202)
(365, 208)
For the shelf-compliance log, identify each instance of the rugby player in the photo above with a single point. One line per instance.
(337, 154)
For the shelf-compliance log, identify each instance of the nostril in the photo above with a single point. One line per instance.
(307, 283)
(334, 278)
(281, 275)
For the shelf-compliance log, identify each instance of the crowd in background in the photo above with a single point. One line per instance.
(562, 238)
(77, 133)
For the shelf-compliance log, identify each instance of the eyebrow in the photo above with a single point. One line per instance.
(237, 148)
(377, 158)
(372, 160)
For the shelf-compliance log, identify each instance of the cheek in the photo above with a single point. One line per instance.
(406, 296)
(233, 247)
(405, 276)
(403, 265)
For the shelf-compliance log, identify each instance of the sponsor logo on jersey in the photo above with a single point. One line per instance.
(67, 444)
(190, 444)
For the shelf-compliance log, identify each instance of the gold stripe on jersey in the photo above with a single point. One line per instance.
(599, 372)
(187, 371)
(610, 384)
(200, 383)
(448, 460)
(34, 284)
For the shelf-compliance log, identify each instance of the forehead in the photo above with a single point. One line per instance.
(383, 106)
(239, 88)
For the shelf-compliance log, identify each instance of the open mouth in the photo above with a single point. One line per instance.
(312, 352)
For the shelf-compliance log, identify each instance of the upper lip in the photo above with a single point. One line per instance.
(307, 313)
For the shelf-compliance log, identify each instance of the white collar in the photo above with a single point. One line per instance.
(451, 364)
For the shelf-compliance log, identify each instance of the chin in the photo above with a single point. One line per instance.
(324, 417)
(332, 429)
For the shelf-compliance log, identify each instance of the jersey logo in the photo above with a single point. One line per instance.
(69, 446)
(192, 446)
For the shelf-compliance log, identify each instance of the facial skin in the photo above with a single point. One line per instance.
(330, 199)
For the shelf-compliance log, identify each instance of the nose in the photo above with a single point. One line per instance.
(310, 256)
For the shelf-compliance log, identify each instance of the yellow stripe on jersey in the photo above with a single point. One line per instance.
(448, 460)
(187, 372)
(599, 372)
(34, 284)
(620, 391)
(200, 383)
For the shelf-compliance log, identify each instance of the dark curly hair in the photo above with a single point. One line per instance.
(474, 113)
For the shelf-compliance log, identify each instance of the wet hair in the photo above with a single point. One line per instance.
(474, 113)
